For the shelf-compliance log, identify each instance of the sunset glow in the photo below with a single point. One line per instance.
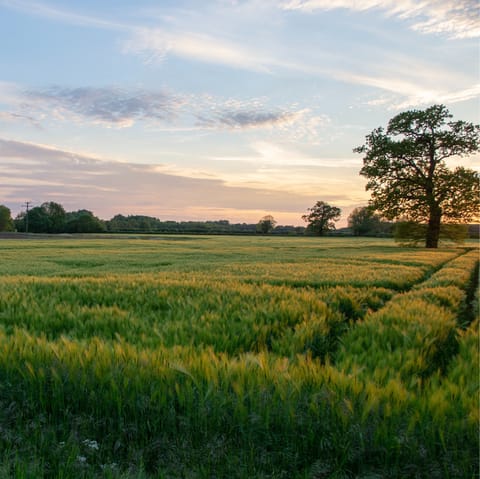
(227, 109)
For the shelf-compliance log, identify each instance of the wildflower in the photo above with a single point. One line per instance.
(91, 444)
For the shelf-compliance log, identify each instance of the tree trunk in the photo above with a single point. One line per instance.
(433, 229)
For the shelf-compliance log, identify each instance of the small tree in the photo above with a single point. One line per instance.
(6, 222)
(407, 174)
(322, 218)
(364, 221)
(266, 224)
(56, 216)
(19, 222)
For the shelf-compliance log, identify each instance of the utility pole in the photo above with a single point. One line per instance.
(27, 204)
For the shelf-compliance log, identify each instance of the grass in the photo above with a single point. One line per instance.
(237, 357)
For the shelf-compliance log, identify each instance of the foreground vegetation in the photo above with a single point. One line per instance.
(206, 357)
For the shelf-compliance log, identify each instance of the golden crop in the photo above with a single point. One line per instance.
(237, 357)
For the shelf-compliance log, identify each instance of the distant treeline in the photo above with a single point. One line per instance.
(148, 224)
(51, 218)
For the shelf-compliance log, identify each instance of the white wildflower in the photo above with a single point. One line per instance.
(91, 444)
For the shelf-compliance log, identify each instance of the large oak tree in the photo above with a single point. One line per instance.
(407, 173)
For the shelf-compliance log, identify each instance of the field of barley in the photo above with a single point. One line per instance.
(238, 357)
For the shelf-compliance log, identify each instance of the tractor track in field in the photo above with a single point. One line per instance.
(439, 292)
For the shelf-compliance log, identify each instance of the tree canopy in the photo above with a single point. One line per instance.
(266, 224)
(56, 215)
(83, 221)
(47, 218)
(365, 222)
(322, 218)
(51, 217)
(407, 173)
(6, 222)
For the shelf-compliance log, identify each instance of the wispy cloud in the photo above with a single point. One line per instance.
(403, 95)
(460, 19)
(247, 116)
(44, 10)
(265, 153)
(44, 173)
(188, 35)
(273, 166)
(430, 97)
(122, 108)
(108, 105)
(252, 119)
(7, 116)
(156, 44)
(28, 153)
(292, 121)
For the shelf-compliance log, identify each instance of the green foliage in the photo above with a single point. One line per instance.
(19, 222)
(411, 233)
(407, 174)
(56, 217)
(47, 218)
(322, 218)
(365, 222)
(83, 221)
(50, 217)
(133, 223)
(454, 233)
(266, 224)
(37, 221)
(6, 222)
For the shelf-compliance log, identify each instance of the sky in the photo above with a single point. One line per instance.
(218, 109)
